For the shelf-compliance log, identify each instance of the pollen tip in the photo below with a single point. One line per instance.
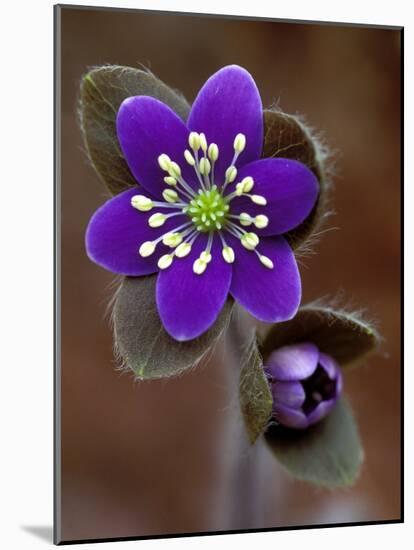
(172, 239)
(157, 220)
(164, 162)
(146, 249)
(213, 152)
(239, 143)
(267, 262)
(231, 174)
(142, 203)
(174, 170)
(261, 221)
(165, 261)
(183, 250)
(206, 257)
(170, 195)
(203, 142)
(189, 157)
(199, 266)
(259, 199)
(245, 219)
(249, 241)
(228, 254)
(247, 184)
(169, 180)
(194, 141)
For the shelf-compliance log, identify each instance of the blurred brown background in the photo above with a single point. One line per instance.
(171, 456)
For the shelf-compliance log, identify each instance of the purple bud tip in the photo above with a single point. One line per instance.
(305, 384)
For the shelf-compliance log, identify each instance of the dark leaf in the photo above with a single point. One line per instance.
(340, 334)
(255, 396)
(141, 341)
(102, 91)
(328, 454)
(286, 136)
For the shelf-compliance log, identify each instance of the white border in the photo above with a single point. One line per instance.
(26, 266)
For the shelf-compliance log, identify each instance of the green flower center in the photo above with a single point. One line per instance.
(208, 210)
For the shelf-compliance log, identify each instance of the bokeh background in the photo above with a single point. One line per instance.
(171, 456)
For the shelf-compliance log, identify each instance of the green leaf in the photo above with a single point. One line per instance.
(338, 333)
(102, 91)
(255, 395)
(286, 136)
(328, 454)
(141, 341)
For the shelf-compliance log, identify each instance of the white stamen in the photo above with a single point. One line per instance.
(244, 186)
(199, 266)
(206, 256)
(164, 162)
(205, 166)
(245, 219)
(157, 220)
(258, 199)
(239, 189)
(165, 261)
(247, 183)
(231, 174)
(239, 143)
(174, 170)
(267, 262)
(228, 254)
(249, 241)
(261, 221)
(213, 152)
(203, 143)
(169, 180)
(172, 239)
(183, 250)
(194, 141)
(146, 249)
(170, 195)
(201, 208)
(189, 157)
(144, 204)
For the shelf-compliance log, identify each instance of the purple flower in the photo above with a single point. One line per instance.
(305, 384)
(210, 213)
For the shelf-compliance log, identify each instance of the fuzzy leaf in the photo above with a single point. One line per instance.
(286, 136)
(328, 454)
(255, 395)
(102, 91)
(338, 333)
(141, 341)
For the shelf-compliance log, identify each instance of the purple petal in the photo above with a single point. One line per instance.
(329, 364)
(295, 362)
(270, 295)
(188, 303)
(333, 370)
(289, 187)
(146, 129)
(228, 104)
(290, 417)
(116, 231)
(321, 410)
(290, 394)
(339, 383)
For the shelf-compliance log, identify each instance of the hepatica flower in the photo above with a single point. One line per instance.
(305, 384)
(209, 213)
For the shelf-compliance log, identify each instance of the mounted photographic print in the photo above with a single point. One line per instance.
(228, 227)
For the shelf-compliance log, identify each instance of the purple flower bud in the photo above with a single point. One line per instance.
(305, 384)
